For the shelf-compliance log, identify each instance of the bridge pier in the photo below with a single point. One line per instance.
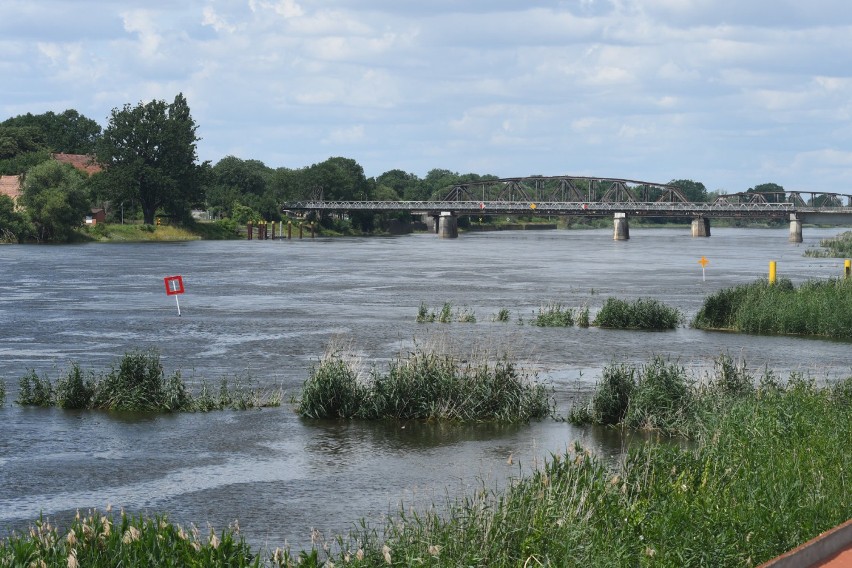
(795, 229)
(621, 229)
(431, 222)
(448, 225)
(701, 227)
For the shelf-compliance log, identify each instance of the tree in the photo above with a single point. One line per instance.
(693, 190)
(21, 147)
(149, 155)
(55, 199)
(772, 192)
(69, 132)
(14, 226)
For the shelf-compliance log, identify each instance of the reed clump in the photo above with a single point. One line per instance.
(136, 383)
(643, 313)
(554, 314)
(445, 315)
(817, 307)
(2, 392)
(839, 246)
(424, 385)
(103, 540)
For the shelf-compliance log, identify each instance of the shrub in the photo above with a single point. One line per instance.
(2, 392)
(554, 315)
(644, 313)
(137, 383)
(427, 386)
(423, 314)
(446, 315)
(75, 391)
(501, 316)
(34, 390)
(466, 315)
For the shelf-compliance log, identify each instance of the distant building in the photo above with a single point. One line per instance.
(11, 186)
(98, 216)
(83, 162)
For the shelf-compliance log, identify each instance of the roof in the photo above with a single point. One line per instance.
(82, 162)
(11, 186)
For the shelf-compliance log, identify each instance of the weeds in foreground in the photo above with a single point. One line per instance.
(644, 313)
(423, 385)
(136, 383)
(817, 307)
(102, 540)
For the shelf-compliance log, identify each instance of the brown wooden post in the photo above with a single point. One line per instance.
(248, 230)
(289, 230)
(300, 230)
(312, 229)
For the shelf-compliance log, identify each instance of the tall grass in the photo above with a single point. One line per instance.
(817, 307)
(554, 315)
(643, 313)
(100, 540)
(445, 315)
(839, 246)
(137, 382)
(2, 392)
(424, 385)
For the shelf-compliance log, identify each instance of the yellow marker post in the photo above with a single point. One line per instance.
(847, 268)
(533, 206)
(703, 262)
(772, 272)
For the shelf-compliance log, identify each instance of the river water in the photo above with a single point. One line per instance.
(270, 309)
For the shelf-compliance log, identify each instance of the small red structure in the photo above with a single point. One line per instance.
(174, 285)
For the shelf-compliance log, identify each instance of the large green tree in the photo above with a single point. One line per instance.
(21, 147)
(693, 190)
(68, 132)
(150, 157)
(15, 227)
(55, 198)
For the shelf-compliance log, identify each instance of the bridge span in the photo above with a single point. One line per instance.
(573, 196)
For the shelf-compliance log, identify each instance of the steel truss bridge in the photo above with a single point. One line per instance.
(594, 196)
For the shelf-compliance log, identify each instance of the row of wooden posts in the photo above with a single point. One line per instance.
(266, 230)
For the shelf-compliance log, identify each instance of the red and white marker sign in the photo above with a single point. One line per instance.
(174, 286)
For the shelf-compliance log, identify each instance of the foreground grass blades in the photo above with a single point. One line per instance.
(98, 540)
(426, 386)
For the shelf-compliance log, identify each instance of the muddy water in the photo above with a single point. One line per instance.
(270, 309)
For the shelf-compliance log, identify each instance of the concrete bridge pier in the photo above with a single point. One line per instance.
(621, 230)
(431, 222)
(795, 229)
(448, 225)
(701, 227)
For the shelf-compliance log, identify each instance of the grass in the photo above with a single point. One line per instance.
(137, 382)
(103, 540)
(644, 313)
(839, 246)
(554, 314)
(423, 386)
(501, 316)
(817, 307)
(445, 315)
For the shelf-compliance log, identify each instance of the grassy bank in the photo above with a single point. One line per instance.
(425, 385)
(138, 383)
(837, 247)
(220, 230)
(818, 308)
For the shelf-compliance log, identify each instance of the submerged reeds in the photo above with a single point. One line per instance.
(839, 246)
(424, 385)
(137, 382)
(817, 307)
(643, 313)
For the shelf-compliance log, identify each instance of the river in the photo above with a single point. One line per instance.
(270, 309)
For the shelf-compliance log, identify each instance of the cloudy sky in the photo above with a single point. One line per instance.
(731, 93)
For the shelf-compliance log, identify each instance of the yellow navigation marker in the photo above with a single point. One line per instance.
(703, 262)
(532, 205)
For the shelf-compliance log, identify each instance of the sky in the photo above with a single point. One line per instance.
(729, 93)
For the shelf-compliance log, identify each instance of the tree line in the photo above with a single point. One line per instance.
(149, 167)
